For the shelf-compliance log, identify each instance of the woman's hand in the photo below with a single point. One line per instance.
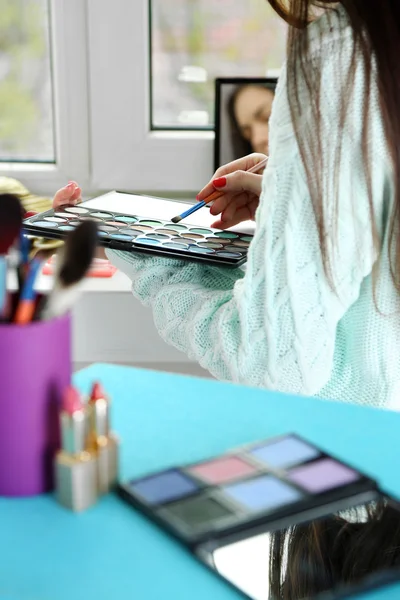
(70, 194)
(241, 191)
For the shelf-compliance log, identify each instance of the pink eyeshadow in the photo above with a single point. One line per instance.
(222, 470)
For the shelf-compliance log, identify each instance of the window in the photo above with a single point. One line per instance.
(26, 103)
(143, 135)
(195, 41)
(43, 92)
(119, 95)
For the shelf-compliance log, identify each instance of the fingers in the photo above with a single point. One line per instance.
(237, 183)
(241, 164)
(70, 194)
(237, 215)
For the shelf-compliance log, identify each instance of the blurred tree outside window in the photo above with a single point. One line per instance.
(195, 41)
(26, 95)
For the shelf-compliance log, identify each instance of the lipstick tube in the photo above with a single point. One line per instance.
(75, 465)
(102, 440)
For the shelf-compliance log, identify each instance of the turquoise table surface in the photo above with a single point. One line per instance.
(111, 552)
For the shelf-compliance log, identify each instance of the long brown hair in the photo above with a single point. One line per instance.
(334, 552)
(376, 41)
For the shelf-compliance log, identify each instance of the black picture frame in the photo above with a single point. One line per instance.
(224, 87)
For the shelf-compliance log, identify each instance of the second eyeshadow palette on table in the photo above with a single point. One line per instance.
(152, 236)
(246, 489)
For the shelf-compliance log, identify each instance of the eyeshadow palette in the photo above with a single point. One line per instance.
(246, 489)
(150, 236)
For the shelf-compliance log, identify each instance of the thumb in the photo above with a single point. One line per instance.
(239, 181)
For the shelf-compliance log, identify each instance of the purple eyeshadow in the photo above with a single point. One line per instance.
(322, 475)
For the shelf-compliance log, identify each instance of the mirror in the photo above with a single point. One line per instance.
(343, 552)
(242, 111)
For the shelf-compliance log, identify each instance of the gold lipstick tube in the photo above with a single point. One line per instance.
(103, 440)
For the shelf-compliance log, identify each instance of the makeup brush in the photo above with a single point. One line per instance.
(215, 195)
(73, 262)
(11, 214)
(27, 305)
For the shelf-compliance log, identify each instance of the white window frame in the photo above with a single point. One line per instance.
(126, 154)
(71, 118)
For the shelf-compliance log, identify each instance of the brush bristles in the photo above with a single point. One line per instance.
(11, 213)
(176, 219)
(78, 253)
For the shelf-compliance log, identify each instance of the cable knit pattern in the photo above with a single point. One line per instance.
(279, 325)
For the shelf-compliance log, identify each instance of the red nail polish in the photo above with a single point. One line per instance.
(219, 182)
(29, 214)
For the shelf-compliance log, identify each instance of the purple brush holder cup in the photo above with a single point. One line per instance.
(35, 370)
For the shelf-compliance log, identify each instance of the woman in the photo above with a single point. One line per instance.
(249, 110)
(317, 311)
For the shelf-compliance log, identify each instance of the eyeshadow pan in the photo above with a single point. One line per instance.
(175, 245)
(66, 228)
(218, 240)
(116, 223)
(63, 214)
(158, 236)
(197, 250)
(228, 235)
(286, 452)
(246, 238)
(222, 470)
(192, 236)
(44, 224)
(77, 210)
(200, 231)
(108, 228)
(142, 227)
(212, 245)
(121, 237)
(56, 219)
(322, 475)
(151, 223)
(175, 227)
(128, 219)
(264, 493)
(167, 231)
(131, 232)
(241, 243)
(148, 241)
(180, 240)
(197, 512)
(101, 215)
(229, 254)
(233, 248)
(164, 487)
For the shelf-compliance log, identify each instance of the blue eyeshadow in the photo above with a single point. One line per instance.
(285, 452)
(263, 493)
(164, 487)
(119, 236)
(66, 228)
(148, 241)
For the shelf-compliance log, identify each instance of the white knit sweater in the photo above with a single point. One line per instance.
(280, 325)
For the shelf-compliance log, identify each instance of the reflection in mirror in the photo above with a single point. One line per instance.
(243, 110)
(316, 559)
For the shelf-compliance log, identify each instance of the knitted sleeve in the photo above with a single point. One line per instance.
(274, 326)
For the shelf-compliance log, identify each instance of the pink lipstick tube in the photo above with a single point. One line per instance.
(75, 465)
